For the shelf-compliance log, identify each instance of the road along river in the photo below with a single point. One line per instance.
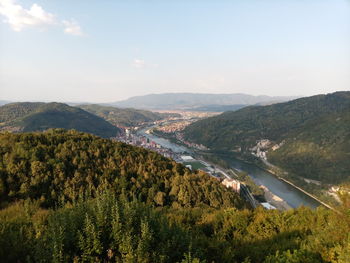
(292, 196)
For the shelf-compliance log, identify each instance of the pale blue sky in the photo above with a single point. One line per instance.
(112, 50)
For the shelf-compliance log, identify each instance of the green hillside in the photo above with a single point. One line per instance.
(42, 116)
(59, 166)
(125, 117)
(316, 131)
(67, 196)
(12, 111)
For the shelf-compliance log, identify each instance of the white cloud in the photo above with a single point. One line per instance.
(72, 28)
(20, 18)
(140, 63)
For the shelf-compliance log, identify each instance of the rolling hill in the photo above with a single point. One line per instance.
(125, 116)
(67, 196)
(187, 101)
(42, 116)
(73, 163)
(315, 131)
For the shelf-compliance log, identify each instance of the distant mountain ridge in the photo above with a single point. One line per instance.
(187, 101)
(39, 116)
(3, 102)
(219, 108)
(315, 131)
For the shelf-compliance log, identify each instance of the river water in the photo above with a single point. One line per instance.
(288, 193)
(164, 142)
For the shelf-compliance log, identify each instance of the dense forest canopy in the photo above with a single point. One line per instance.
(68, 196)
(12, 111)
(33, 116)
(62, 166)
(316, 132)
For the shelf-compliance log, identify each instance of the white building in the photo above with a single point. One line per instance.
(189, 166)
(231, 183)
(187, 158)
(267, 206)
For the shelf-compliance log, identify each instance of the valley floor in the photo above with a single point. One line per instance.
(271, 197)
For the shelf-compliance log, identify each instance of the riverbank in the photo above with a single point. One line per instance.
(295, 186)
(275, 200)
(287, 193)
(270, 197)
(270, 168)
(314, 197)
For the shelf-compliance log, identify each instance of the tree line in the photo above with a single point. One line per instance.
(68, 196)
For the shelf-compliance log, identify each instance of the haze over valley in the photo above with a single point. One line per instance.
(175, 131)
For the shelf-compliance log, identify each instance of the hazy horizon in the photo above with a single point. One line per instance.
(101, 52)
(198, 93)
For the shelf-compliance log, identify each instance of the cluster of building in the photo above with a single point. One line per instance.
(174, 127)
(262, 146)
(179, 136)
(260, 149)
(11, 128)
(142, 141)
(337, 191)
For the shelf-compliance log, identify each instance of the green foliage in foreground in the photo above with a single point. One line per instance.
(102, 230)
(58, 167)
(45, 178)
(73, 197)
(112, 229)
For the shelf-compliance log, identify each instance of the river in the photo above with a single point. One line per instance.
(164, 142)
(288, 193)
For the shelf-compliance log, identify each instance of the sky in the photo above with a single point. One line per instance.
(105, 51)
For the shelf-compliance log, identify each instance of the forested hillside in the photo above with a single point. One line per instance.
(125, 117)
(316, 132)
(68, 196)
(41, 116)
(58, 166)
(12, 111)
